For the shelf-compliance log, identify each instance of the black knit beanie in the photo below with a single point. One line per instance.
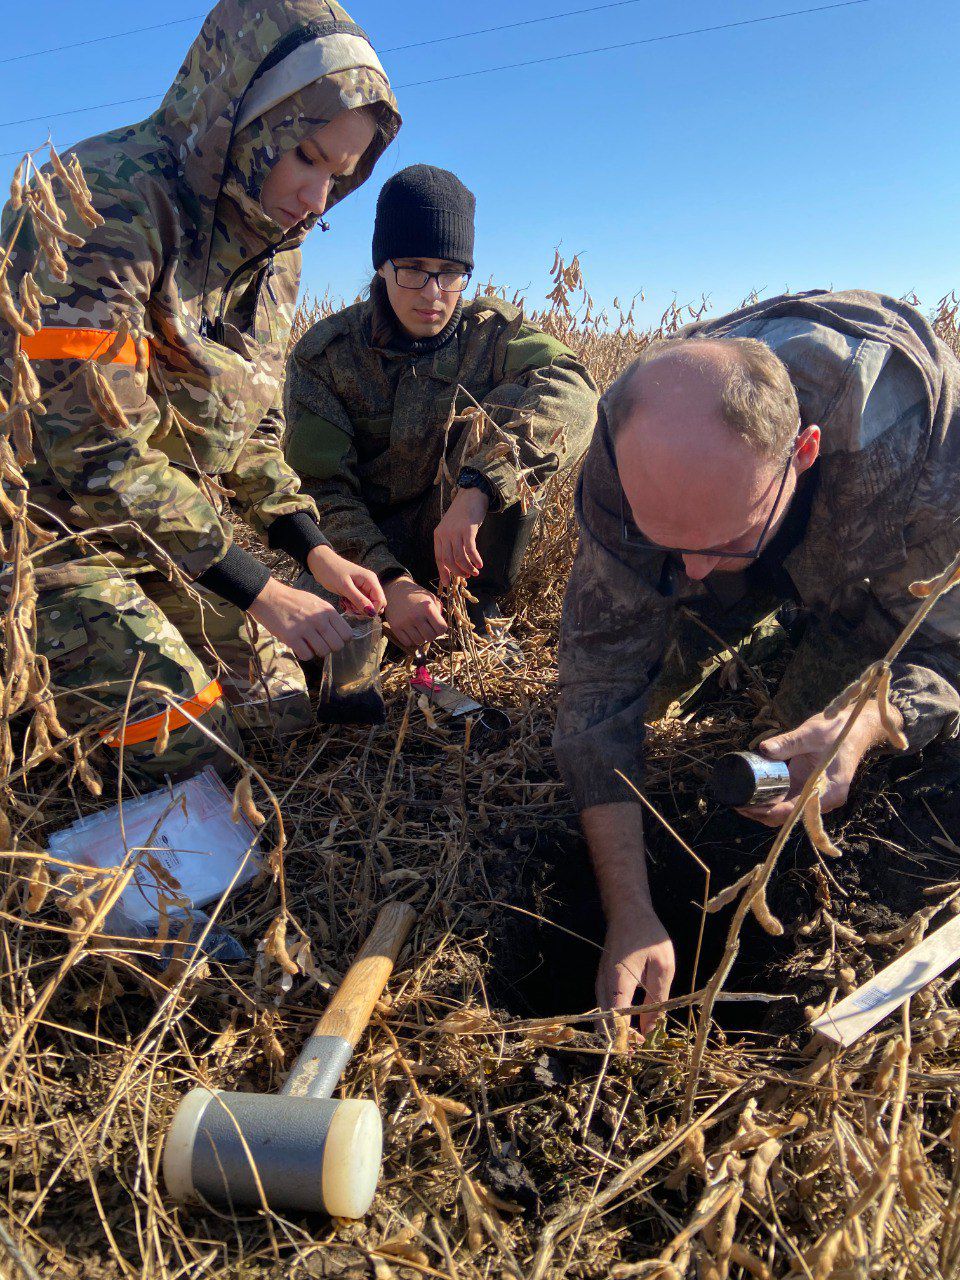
(423, 212)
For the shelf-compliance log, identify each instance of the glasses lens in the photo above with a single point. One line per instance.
(411, 277)
(453, 281)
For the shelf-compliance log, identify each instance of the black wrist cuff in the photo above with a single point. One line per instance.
(471, 478)
(296, 534)
(391, 575)
(238, 578)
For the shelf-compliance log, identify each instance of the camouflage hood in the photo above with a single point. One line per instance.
(222, 146)
(187, 257)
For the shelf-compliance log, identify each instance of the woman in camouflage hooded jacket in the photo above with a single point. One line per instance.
(273, 118)
(384, 421)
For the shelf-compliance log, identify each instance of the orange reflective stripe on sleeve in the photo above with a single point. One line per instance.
(77, 344)
(138, 731)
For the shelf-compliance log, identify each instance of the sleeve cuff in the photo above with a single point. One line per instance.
(296, 534)
(238, 577)
(929, 704)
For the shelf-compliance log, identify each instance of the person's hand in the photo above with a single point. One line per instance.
(413, 614)
(305, 623)
(804, 747)
(455, 537)
(637, 953)
(358, 587)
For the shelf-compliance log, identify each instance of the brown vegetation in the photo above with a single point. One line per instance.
(520, 1142)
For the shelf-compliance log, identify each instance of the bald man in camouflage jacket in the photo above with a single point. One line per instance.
(857, 497)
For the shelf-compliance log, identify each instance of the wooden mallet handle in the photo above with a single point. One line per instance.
(350, 1010)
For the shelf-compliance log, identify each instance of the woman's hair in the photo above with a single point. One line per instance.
(383, 326)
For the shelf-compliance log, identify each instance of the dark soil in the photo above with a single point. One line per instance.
(888, 834)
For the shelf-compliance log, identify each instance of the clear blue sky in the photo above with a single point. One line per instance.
(820, 150)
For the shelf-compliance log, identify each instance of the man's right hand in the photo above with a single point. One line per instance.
(413, 614)
(305, 623)
(637, 952)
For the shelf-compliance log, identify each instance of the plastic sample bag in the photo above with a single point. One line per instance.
(188, 852)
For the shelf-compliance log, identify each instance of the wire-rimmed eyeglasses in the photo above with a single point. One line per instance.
(632, 537)
(416, 278)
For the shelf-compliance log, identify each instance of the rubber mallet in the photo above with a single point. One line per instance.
(311, 1151)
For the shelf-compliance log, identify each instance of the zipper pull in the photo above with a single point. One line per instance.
(271, 272)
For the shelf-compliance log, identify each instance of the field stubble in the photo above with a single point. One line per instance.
(519, 1141)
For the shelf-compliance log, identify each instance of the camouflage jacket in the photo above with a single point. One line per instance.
(187, 256)
(885, 392)
(367, 427)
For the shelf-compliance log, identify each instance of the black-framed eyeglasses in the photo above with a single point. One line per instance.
(632, 537)
(416, 278)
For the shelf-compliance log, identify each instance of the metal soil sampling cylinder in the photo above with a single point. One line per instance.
(300, 1149)
(743, 778)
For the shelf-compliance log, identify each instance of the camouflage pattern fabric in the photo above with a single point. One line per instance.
(366, 426)
(706, 638)
(885, 391)
(94, 632)
(187, 257)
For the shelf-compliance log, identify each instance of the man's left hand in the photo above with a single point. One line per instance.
(804, 747)
(455, 537)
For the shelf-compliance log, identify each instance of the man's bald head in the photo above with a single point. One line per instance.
(710, 384)
(702, 430)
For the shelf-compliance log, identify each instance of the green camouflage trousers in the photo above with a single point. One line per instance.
(706, 636)
(95, 632)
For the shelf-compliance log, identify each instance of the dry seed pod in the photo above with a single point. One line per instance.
(143, 351)
(80, 195)
(275, 946)
(243, 803)
(109, 354)
(26, 380)
(741, 1256)
(102, 398)
(851, 692)
(912, 1170)
(827, 1255)
(813, 822)
(32, 298)
(37, 888)
(50, 248)
(16, 186)
(42, 198)
(57, 165)
(162, 740)
(9, 312)
(21, 432)
(43, 222)
(88, 776)
(764, 916)
(926, 586)
(760, 1165)
(732, 890)
(450, 1106)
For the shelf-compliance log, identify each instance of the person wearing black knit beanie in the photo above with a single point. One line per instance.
(425, 427)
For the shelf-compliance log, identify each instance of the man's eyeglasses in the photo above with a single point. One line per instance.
(416, 278)
(632, 537)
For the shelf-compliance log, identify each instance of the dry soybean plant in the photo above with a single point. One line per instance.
(517, 1145)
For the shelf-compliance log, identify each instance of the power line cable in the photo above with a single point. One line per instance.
(509, 66)
(113, 35)
(632, 44)
(397, 48)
